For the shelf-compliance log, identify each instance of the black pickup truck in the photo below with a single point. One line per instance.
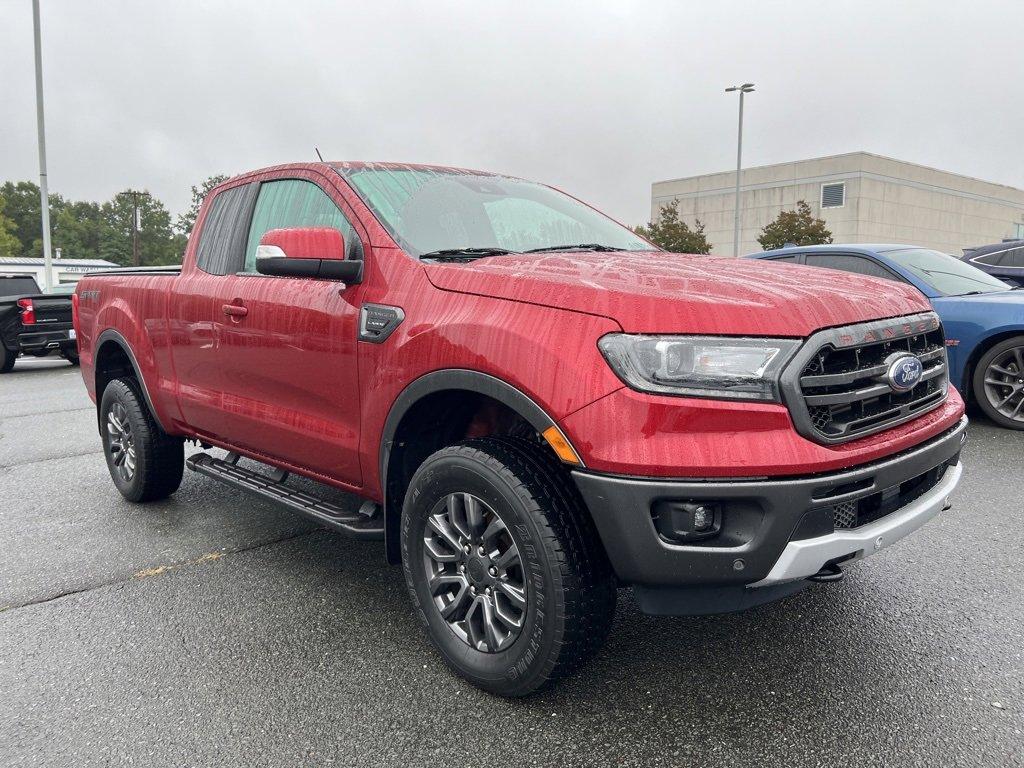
(34, 323)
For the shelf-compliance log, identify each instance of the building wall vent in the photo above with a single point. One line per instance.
(833, 195)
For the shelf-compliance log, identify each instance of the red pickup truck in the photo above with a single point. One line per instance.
(536, 404)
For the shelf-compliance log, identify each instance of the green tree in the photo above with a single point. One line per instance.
(799, 227)
(9, 243)
(673, 234)
(78, 230)
(23, 209)
(187, 220)
(158, 243)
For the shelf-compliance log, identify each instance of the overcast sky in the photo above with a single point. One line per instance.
(600, 97)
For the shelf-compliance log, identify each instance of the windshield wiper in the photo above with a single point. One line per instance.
(463, 254)
(574, 247)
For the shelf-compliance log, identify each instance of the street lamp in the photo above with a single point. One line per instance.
(44, 192)
(743, 89)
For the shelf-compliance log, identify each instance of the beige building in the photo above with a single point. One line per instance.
(864, 198)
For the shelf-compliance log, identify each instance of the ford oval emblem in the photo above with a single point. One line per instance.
(904, 373)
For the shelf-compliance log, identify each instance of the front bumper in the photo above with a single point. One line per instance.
(774, 530)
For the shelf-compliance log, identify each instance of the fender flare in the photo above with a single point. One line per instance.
(428, 384)
(457, 378)
(115, 337)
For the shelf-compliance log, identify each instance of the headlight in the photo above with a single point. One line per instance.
(699, 366)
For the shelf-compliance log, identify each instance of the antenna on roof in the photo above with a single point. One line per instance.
(317, 150)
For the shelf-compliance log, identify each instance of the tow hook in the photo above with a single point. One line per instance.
(830, 572)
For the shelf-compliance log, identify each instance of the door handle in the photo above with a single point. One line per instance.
(235, 310)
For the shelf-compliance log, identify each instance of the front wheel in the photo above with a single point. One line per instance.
(145, 462)
(999, 383)
(504, 566)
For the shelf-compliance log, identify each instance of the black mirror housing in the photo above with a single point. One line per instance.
(348, 271)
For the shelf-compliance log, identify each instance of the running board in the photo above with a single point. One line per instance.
(358, 525)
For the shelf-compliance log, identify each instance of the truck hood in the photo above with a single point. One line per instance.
(656, 292)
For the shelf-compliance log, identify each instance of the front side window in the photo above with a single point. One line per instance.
(291, 203)
(428, 210)
(859, 265)
(945, 274)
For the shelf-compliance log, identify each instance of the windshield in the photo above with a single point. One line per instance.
(947, 275)
(430, 210)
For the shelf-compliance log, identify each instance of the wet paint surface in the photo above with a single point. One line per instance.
(289, 383)
(656, 292)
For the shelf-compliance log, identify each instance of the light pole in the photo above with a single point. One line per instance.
(44, 193)
(743, 89)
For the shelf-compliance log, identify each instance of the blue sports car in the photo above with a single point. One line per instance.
(982, 315)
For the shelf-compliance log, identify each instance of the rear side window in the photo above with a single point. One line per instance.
(1014, 258)
(859, 265)
(221, 247)
(787, 259)
(295, 203)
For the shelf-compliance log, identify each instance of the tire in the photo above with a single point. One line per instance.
(570, 591)
(71, 355)
(998, 383)
(145, 462)
(8, 360)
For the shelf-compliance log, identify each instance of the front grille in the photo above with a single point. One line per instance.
(858, 512)
(838, 388)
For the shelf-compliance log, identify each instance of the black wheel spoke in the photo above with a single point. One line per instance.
(474, 572)
(492, 634)
(457, 607)
(515, 595)
(443, 529)
(507, 558)
(445, 582)
(121, 443)
(495, 527)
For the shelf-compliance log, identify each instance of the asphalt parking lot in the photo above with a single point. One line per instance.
(213, 628)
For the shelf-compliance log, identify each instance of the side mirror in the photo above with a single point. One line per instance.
(307, 252)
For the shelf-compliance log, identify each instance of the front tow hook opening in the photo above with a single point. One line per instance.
(829, 573)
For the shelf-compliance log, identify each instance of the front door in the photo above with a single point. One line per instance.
(288, 364)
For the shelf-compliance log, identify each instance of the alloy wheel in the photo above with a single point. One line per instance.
(1004, 383)
(121, 442)
(475, 572)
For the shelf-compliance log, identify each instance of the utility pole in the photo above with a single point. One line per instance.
(743, 89)
(136, 223)
(44, 192)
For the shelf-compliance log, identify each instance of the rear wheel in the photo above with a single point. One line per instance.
(999, 383)
(71, 355)
(145, 462)
(503, 565)
(8, 360)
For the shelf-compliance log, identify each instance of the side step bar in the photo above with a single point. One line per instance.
(359, 525)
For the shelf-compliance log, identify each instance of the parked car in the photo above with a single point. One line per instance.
(983, 316)
(33, 323)
(536, 404)
(1004, 260)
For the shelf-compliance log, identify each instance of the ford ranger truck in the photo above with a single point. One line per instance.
(535, 405)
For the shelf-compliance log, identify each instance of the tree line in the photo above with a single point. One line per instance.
(796, 227)
(90, 230)
(85, 229)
